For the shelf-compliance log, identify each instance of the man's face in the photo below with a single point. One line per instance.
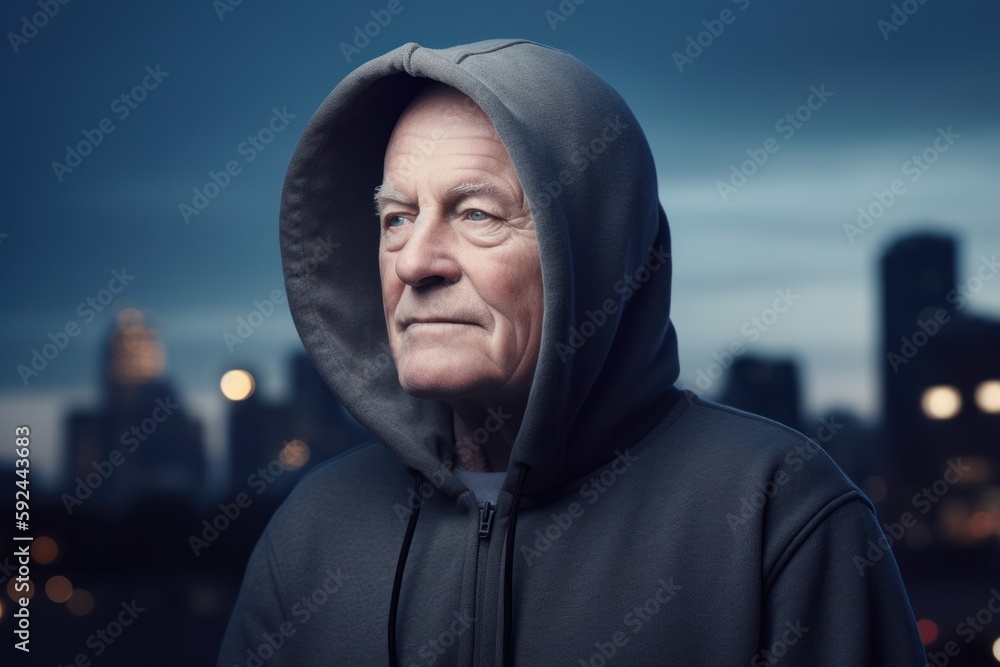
(458, 256)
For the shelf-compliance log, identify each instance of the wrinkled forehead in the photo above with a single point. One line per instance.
(443, 133)
(439, 114)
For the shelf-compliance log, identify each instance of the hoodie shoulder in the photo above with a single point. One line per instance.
(366, 472)
(745, 444)
(361, 484)
(762, 481)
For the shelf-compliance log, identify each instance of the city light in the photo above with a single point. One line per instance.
(58, 589)
(980, 525)
(80, 603)
(237, 385)
(294, 455)
(44, 550)
(136, 354)
(979, 470)
(988, 396)
(16, 589)
(941, 402)
(928, 630)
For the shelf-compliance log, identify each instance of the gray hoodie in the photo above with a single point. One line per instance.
(636, 524)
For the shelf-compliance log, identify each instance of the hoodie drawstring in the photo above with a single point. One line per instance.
(521, 472)
(404, 551)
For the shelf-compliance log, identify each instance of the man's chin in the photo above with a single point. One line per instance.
(442, 387)
(437, 392)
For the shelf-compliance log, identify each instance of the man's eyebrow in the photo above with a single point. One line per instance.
(477, 188)
(384, 193)
(503, 195)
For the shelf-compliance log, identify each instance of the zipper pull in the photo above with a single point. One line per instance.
(486, 513)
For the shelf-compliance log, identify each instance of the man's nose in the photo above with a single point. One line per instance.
(428, 256)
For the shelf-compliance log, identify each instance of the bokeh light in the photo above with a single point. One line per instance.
(136, 354)
(988, 396)
(80, 603)
(44, 550)
(15, 594)
(980, 525)
(928, 631)
(294, 455)
(237, 385)
(941, 402)
(59, 589)
(978, 470)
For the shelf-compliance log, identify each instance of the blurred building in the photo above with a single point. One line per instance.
(266, 440)
(769, 388)
(940, 370)
(139, 442)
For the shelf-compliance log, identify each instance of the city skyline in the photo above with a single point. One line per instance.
(814, 160)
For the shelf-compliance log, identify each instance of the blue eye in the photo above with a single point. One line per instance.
(477, 215)
(389, 220)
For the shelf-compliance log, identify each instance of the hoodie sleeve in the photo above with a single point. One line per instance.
(834, 600)
(258, 619)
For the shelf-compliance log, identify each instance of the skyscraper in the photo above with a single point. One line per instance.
(140, 442)
(940, 369)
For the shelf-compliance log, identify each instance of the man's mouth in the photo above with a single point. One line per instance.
(436, 322)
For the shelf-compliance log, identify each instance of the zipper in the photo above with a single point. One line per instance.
(486, 513)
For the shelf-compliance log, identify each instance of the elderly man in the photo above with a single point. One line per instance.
(539, 492)
(462, 288)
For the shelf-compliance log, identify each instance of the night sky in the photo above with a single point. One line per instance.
(212, 75)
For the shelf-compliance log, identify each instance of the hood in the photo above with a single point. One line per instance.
(608, 356)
